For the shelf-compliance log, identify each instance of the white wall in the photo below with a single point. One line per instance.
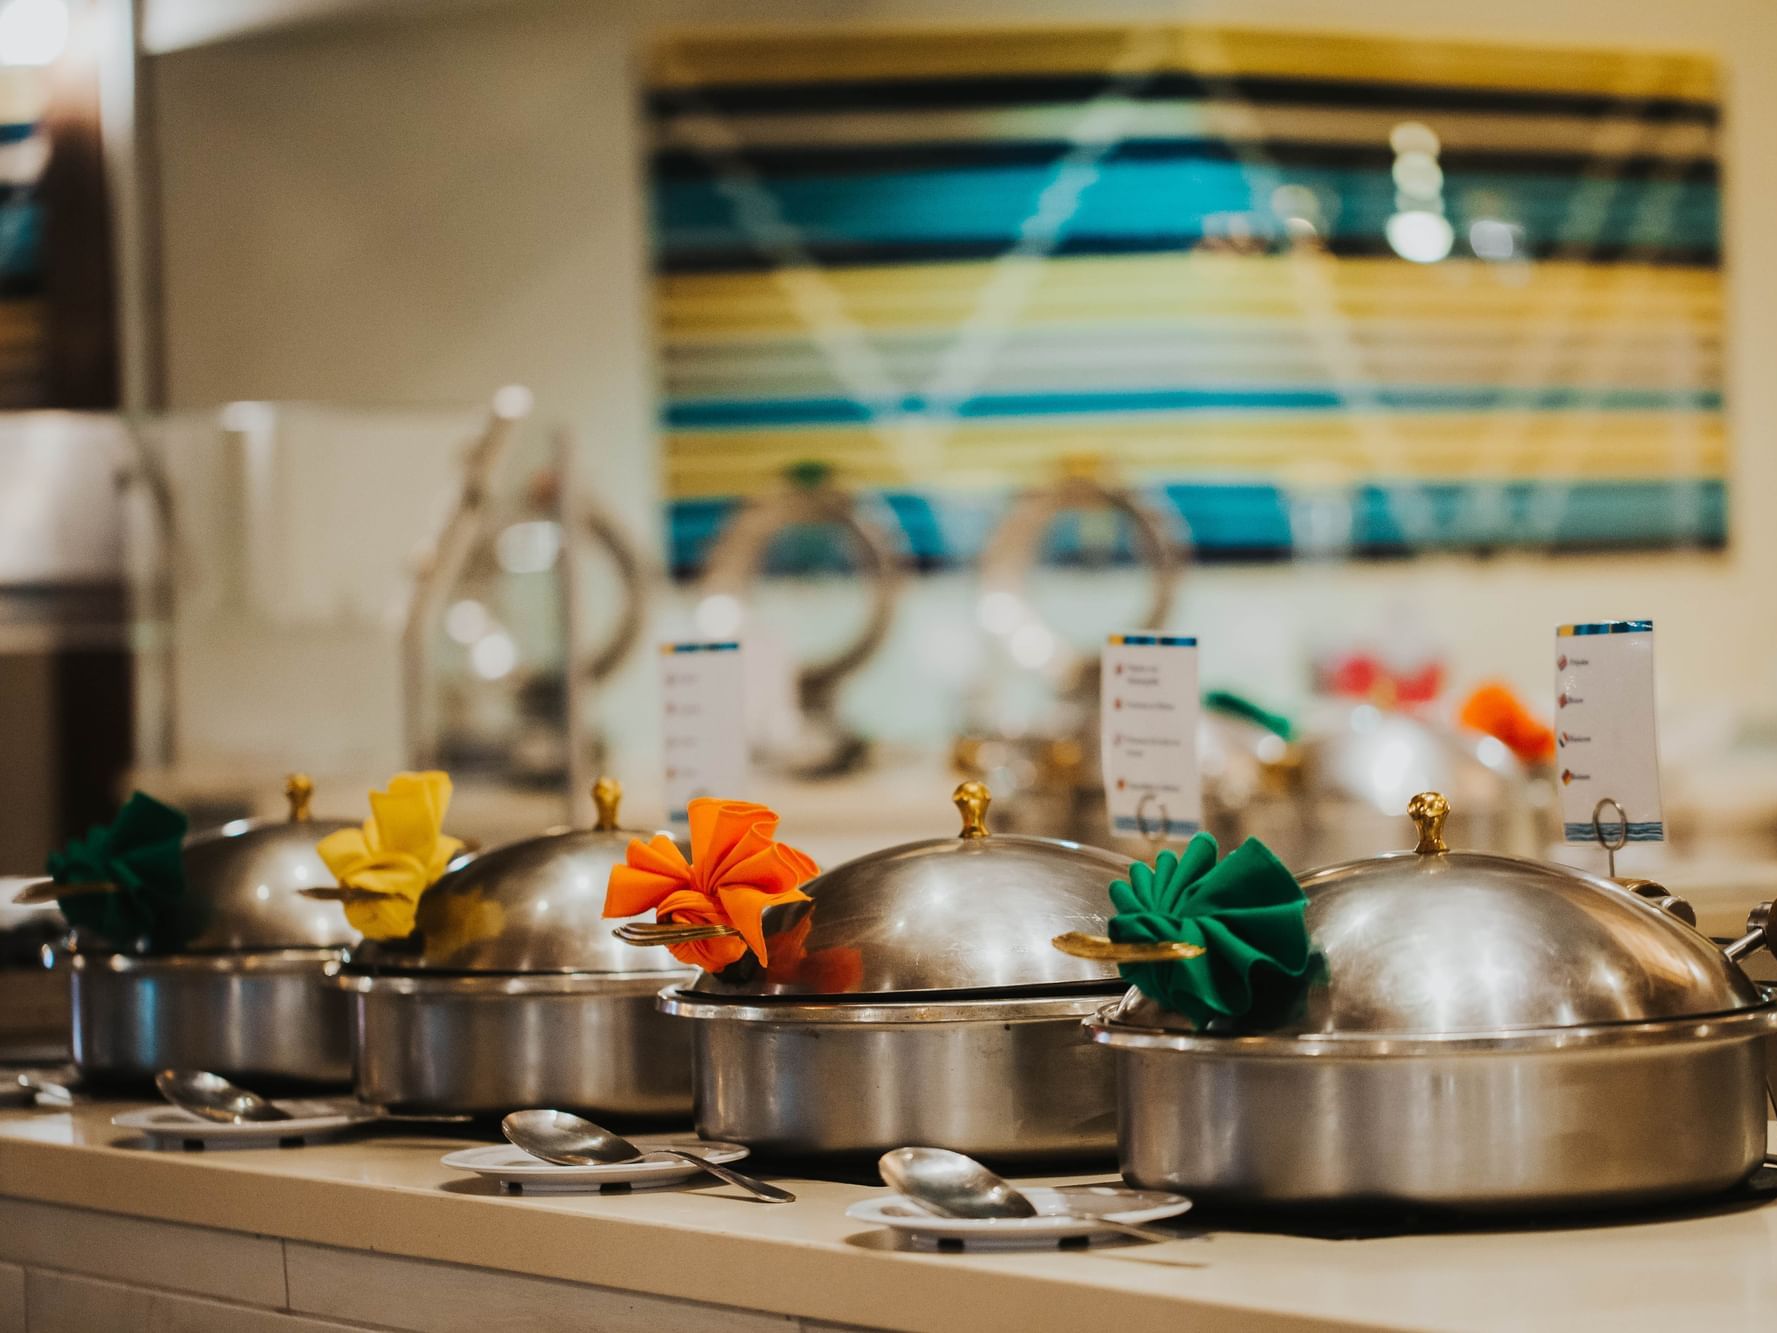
(417, 211)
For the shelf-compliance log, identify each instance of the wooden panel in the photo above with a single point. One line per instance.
(441, 1298)
(63, 1303)
(155, 1254)
(12, 1298)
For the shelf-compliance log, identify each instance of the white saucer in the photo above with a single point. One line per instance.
(169, 1127)
(1052, 1225)
(518, 1172)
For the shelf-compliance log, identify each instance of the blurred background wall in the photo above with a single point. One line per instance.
(388, 210)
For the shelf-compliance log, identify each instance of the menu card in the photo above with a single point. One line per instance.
(1148, 736)
(1605, 746)
(703, 693)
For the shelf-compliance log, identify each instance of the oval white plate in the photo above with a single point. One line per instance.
(1052, 1224)
(308, 1120)
(517, 1170)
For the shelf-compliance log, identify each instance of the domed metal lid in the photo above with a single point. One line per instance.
(971, 913)
(1433, 943)
(535, 905)
(246, 874)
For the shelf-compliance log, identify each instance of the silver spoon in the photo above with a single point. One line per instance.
(46, 1093)
(214, 1098)
(569, 1140)
(952, 1185)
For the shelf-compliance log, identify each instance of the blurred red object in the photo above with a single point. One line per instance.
(1496, 710)
(1361, 676)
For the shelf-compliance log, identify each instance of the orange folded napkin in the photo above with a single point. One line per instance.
(1496, 710)
(396, 856)
(737, 870)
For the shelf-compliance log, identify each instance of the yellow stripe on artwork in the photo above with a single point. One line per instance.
(1205, 445)
(1132, 289)
(862, 53)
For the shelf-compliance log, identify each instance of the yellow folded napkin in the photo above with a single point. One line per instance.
(397, 855)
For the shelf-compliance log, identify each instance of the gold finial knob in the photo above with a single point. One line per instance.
(299, 790)
(1428, 811)
(972, 800)
(606, 793)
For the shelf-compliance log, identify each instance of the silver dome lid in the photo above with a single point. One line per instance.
(245, 878)
(968, 913)
(1433, 943)
(535, 905)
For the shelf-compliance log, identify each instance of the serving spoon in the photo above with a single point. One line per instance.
(569, 1140)
(212, 1097)
(952, 1185)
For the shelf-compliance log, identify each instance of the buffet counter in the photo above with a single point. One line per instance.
(98, 1230)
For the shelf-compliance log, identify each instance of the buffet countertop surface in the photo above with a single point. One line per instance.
(385, 1191)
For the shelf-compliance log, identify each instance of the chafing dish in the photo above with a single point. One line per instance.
(517, 994)
(1490, 1033)
(248, 996)
(1359, 765)
(915, 999)
(33, 993)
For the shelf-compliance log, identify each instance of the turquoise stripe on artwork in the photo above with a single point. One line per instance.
(1141, 199)
(1241, 520)
(744, 414)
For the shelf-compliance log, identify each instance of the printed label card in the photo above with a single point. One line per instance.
(703, 694)
(1606, 749)
(1149, 706)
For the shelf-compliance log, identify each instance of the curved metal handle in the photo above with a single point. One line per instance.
(1011, 552)
(735, 560)
(1102, 949)
(444, 563)
(770, 1193)
(627, 632)
(1758, 933)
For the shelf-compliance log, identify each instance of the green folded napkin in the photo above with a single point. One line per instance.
(1247, 913)
(1238, 705)
(141, 853)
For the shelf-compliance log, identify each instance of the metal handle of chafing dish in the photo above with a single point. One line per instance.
(739, 554)
(1103, 949)
(443, 565)
(1013, 550)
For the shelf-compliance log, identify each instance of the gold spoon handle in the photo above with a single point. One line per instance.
(1101, 949)
(669, 932)
(37, 892)
(343, 894)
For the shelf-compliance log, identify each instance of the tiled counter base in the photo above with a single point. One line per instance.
(98, 1233)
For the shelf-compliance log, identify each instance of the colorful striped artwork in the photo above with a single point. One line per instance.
(1307, 292)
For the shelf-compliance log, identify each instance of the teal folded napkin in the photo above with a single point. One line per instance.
(1238, 705)
(1247, 913)
(141, 853)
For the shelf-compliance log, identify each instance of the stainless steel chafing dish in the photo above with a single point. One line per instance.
(916, 999)
(1359, 765)
(33, 993)
(517, 995)
(1490, 1033)
(249, 996)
